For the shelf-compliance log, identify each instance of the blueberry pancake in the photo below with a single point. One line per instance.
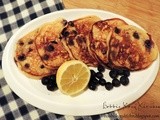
(100, 37)
(131, 48)
(75, 37)
(49, 46)
(27, 57)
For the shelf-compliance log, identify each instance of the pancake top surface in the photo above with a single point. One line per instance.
(49, 46)
(132, 48)
(111, 42)
(100, 37)
(27, 57)
(77, 38)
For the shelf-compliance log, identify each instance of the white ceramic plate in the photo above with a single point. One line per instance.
(89, 102)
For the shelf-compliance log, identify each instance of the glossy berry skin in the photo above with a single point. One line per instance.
(95, 81)
(102, 81)
(53, 77)
(53, 82)
(116, 82)
(113, 73)
(108, 86)
(51, 87)
(92, 86)
(124, 80)
(120, 71)
(99, 75)
(101, 68)
(49, 82)
(45, 80)
(93, 73)
(126, 73)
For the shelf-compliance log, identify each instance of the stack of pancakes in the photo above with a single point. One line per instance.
(111, 42)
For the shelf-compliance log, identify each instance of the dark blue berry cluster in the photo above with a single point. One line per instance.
(123, 73)
(95, 79)
(98, 79)
(50, 82)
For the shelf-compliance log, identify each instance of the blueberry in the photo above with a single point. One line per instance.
(70, 41)
(120, 71)
(113, 73)
(52, 82)
(64, 22)
(99, 75)
(136, 35)
(148, 44)
(108, 86)
(126, 73)
(116, 82)
(49, 48)
(101, 68)
(92, 86)
(21, 57)
(45, 57)
(117, 30)
(124, 80)
(65, 33)
(93, 73)
(95, 81)
(53, 77)
(45, 80)
(51, 87)
(71, 23)
(102, 81)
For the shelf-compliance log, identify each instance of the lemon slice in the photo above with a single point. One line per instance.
(72, 77)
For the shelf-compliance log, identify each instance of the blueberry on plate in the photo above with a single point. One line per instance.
(52, 81)
(92, 86)
(113, 73)
(45, 80)
(120, 71)
(99, 75)
(102, 81)
(53, 77)
(101, 68)
(116, 82)
(51, 87)
(93, 73)
(95, 81)
(124, 80)
(126, 73)
(108, 86)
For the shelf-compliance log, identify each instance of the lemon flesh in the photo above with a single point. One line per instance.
(72, 77)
